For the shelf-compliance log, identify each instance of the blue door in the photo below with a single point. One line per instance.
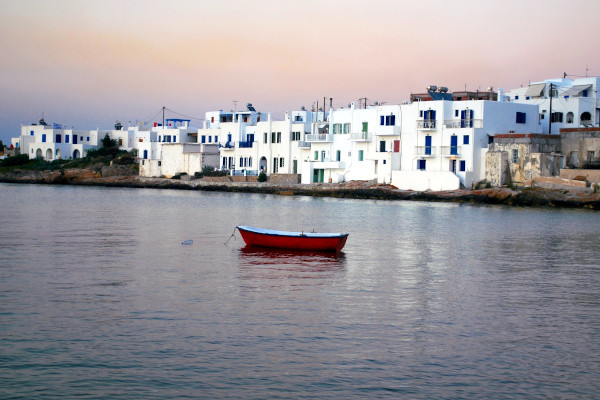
(454, 145)
(428, 145)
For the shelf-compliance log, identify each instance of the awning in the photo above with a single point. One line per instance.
(536, 90)
(575, 90)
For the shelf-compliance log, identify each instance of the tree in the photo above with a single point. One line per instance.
(107, 142)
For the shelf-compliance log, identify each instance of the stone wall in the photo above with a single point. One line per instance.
(591, 175)
(231, 178)
(580, 147)
(496, 163)
(284, 179)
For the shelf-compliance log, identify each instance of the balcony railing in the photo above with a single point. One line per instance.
(463, 123)
(450, 151)
(245, 145)
(426, 151)
(319, 138)
(227, 146)
(304, 144)
(426, 124)
(361, 136)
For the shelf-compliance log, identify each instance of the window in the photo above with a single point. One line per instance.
(295, 136)
(281, 162)
(216, 139)
(241, 161)
(338, 155)
(429, 114)
(515, 156)
(44, 137)
(265, 137)
(120, 141)
(210, 139)
(466, 139)
(347, 128)
(456, 113)
(463, 165)
(516, 97)
(58, 138)
(542, 116)
(278, 137)
(203, 139)
(382, 146)
(365, 127)
(31, 133)
(87, 139)
(521, 117)
(556, 117)
(316, 155)
(570, 117)
(360, 155)
(273, 136)
(388, 120)
(66, 138)
(421, 165)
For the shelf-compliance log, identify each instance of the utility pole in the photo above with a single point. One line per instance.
(163, 116)
(550, 120)
(235, 105)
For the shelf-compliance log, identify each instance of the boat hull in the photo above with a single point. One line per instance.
(293, 240)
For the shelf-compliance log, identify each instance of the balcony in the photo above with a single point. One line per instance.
(426, 151)
(463, 123)
(324, 138)
(450, 151)
(303, 144)
(361, 137)
(328, 164)
(245, 145)
(387, 131)
(426, 124)
(227, 146)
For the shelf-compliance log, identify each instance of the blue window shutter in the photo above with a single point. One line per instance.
(381, 120)
(466, 139)
(393, 120)
(463, 165)
(432, 114)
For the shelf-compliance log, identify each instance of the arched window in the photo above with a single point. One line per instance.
(570, 117)
(586, 118)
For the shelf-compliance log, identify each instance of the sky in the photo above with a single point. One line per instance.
(87, 64)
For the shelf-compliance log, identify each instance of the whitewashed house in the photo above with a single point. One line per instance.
(563, 103)
(444, 142)
(354, 144)
(53, 142)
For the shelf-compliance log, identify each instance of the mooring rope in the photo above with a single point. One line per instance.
(232, 236)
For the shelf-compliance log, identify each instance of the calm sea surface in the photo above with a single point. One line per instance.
(99, 299)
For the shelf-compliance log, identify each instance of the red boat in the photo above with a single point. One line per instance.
(293, 240)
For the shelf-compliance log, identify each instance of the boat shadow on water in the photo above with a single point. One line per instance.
(278, 267)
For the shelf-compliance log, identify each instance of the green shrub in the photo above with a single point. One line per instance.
(262, 177)
(21, 159)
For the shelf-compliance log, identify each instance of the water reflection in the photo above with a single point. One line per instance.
(269, 268)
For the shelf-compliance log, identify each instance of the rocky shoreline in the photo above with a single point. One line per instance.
(526, 197)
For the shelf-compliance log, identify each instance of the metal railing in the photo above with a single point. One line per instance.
(319, 138)
(450, 151)
(361, 136)
(426, 151)
(426, 124)
(245, 145)
(463, 123)
(303, 143)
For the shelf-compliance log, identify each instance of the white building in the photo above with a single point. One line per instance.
(444, 142)
(563, 103)
(354, 144)
(54, 142)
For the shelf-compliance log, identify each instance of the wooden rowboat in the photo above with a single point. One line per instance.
(293, 240)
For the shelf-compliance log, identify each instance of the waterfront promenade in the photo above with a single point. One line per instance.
(527, 197)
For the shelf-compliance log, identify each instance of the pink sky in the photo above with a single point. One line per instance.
(89, 63)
